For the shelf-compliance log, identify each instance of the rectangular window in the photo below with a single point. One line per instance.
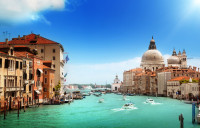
(17, 65)
(25, 88)
(6, 63)
(54, 58)
(24, 63)
(45, 90)
(24, 74)
(54, 66)
(20, 65)
(30, 88)
(42, 50)
(30, 76)
(54, 50)
(45, 72)
(0, 62)
(45, 80)
(30, 64)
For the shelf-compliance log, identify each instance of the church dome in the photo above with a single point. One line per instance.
(173, 60)
(152, 59)
(152, 56)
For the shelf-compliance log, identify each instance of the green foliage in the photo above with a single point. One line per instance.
(57, 88)
(187, 81)
(195, 81)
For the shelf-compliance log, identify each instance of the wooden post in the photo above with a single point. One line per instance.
(24, 107)
(181, 120)
(4, 110)
(18, 108)
(38, 100)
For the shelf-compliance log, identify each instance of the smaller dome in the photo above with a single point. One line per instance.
(173, 60)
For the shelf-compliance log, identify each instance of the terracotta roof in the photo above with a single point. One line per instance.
(136, 69)
(2, 52)
(2, 42)
(4, 46)
(44, 66)
(23, 54)
(180, 78)
(20, 46)
(47, 61)
(31, 39)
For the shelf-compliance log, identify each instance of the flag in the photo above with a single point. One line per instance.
(66, 59)
(65, 75)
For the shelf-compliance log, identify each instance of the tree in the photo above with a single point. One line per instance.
(57, 88)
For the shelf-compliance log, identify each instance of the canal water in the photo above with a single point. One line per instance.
(88, 113)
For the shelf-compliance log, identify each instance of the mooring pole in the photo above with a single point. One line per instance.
(193, 113)
(4, 110)
(18, 108)
(24, 106)
(181, 120)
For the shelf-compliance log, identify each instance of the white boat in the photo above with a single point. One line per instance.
(124, 97)
(148, 100)
(101, 100)
(128, 106)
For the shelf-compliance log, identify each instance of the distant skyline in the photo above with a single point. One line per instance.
(105, 37)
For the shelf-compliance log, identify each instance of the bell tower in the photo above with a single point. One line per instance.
(184, 59)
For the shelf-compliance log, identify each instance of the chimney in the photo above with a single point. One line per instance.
(6, 40)
(18, 36)
(198, 69)
(26, 55)
(194, 68)
(24, 36)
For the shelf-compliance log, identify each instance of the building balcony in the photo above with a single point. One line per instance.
(39, 88)
(9, 89)
(62, 62)
(31, 82)
(26, 81)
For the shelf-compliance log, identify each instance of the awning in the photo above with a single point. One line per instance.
(40, 70)
(38, 92)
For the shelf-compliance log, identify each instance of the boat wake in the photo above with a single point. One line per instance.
(122, 109)
(124, 99)
(155, 103)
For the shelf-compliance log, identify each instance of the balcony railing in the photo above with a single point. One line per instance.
(31, 81)
(14, 89)
(26, 81)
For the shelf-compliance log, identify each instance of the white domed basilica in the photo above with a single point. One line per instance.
(152, 59)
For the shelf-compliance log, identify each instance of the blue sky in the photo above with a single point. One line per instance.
(106, 37)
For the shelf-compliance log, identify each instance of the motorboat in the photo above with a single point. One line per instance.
(101, 100)
(97, 94)
(128, 106)
(148, 100)
(85, 94)
(124, 97)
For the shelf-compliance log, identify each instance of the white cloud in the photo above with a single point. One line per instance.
(102, 73)
(26, 10)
